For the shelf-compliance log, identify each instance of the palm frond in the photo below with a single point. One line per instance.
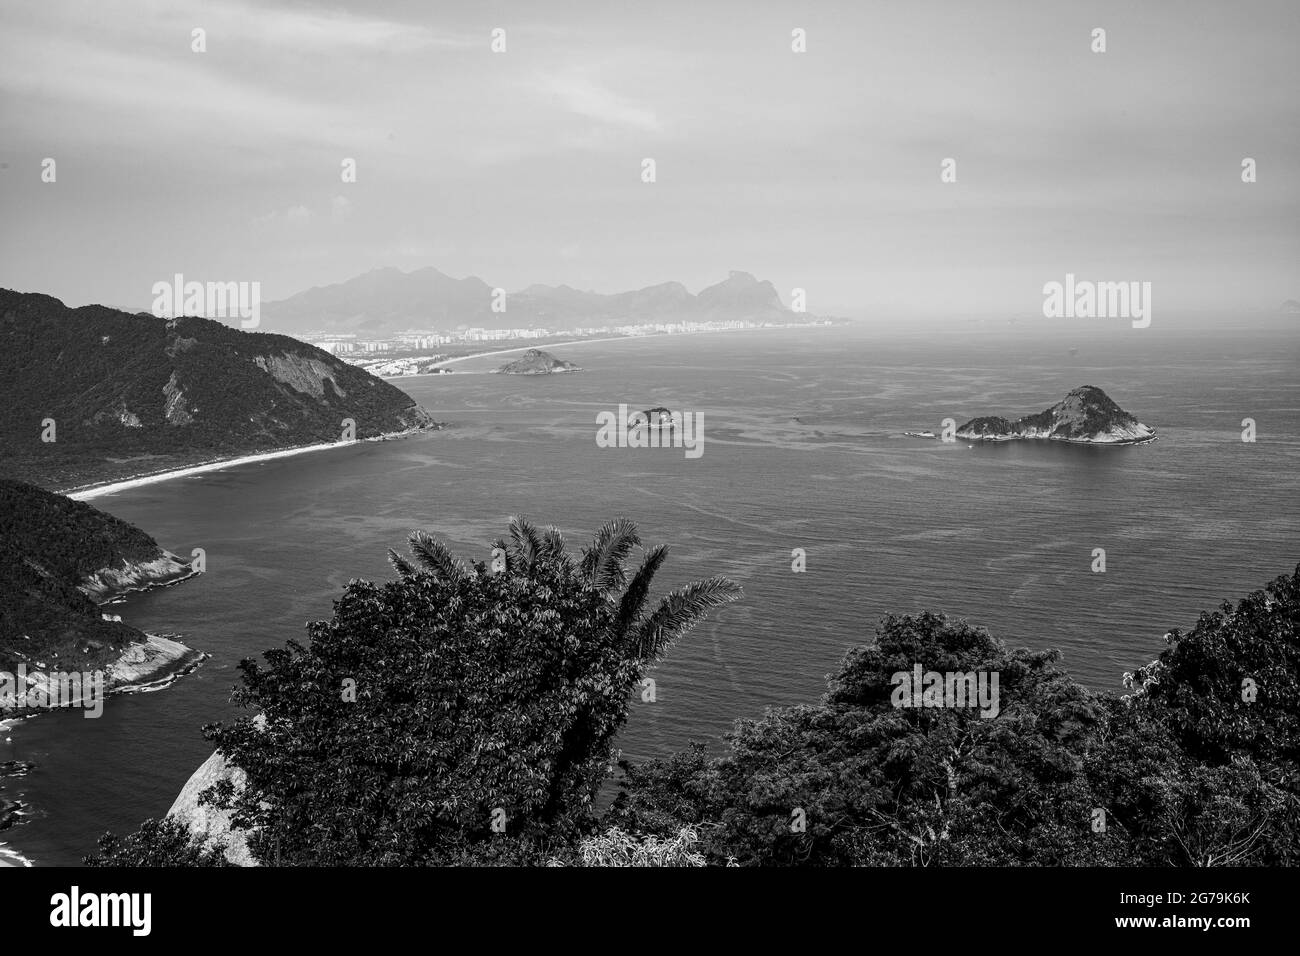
(634, 598)
(435, 556)
(602, 562)
(527, 542)
(403, 567)
(680, 611)
(553, 545)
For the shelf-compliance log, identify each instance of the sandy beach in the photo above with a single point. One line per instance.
(96, 491)
(525, 348)
(112, 488)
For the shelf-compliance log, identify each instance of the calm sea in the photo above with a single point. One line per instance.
(803, 449)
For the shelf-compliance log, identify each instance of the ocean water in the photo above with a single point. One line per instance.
(803, 449)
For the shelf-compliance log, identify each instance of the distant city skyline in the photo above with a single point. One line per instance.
(818, 170)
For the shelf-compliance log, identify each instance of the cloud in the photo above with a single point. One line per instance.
(324, 31)
(124, 73)
(580, 91)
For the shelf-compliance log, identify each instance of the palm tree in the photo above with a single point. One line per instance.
(602, 571)
(627, 640)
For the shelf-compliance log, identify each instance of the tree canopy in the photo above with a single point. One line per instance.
(456, 703)
(478, 692)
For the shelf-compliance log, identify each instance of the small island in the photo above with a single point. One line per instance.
(537, 362)
(657, 417)
(1087, 415)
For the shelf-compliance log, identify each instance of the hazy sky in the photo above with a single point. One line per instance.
(818, 170)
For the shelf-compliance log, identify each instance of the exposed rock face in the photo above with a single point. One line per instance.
(1085, 416)
(537, 362)
(206, 822)
(152, 663)
(119, 414)
(174, 409)
(307, 375)
(157, 661)
(129, 575)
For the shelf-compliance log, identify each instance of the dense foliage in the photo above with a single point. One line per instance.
(1186, 771)
(614, 847)
(132, 394)
(48, 545)
(1196, 767)
(165, 842)
(454, 704)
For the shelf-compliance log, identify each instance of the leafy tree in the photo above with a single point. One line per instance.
(615, 847)
(1183, 772)
(165, 842)
(437, 710)
(873, 783)
(471, 696)
(1231, 686)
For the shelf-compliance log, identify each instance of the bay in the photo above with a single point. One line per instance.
(803, 449)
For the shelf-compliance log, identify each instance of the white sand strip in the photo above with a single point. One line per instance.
(96, 491)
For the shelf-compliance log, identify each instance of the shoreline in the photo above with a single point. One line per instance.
(86, 492)
(612, 338)
(142, 667)
(151, 665)
(1066, 441)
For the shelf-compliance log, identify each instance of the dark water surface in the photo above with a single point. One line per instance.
(802, 449)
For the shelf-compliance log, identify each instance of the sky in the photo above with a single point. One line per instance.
(818, 170)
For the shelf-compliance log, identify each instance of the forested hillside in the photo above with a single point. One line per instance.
(94, 394)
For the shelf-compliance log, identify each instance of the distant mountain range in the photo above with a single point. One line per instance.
(384, 301)
(94, 394)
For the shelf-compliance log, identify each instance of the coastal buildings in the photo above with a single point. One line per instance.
(418, 343)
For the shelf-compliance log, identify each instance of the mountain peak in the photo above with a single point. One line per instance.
(387, 300)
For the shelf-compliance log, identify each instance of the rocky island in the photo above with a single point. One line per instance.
(1087, 415)
(537, 362)
(657, 417)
